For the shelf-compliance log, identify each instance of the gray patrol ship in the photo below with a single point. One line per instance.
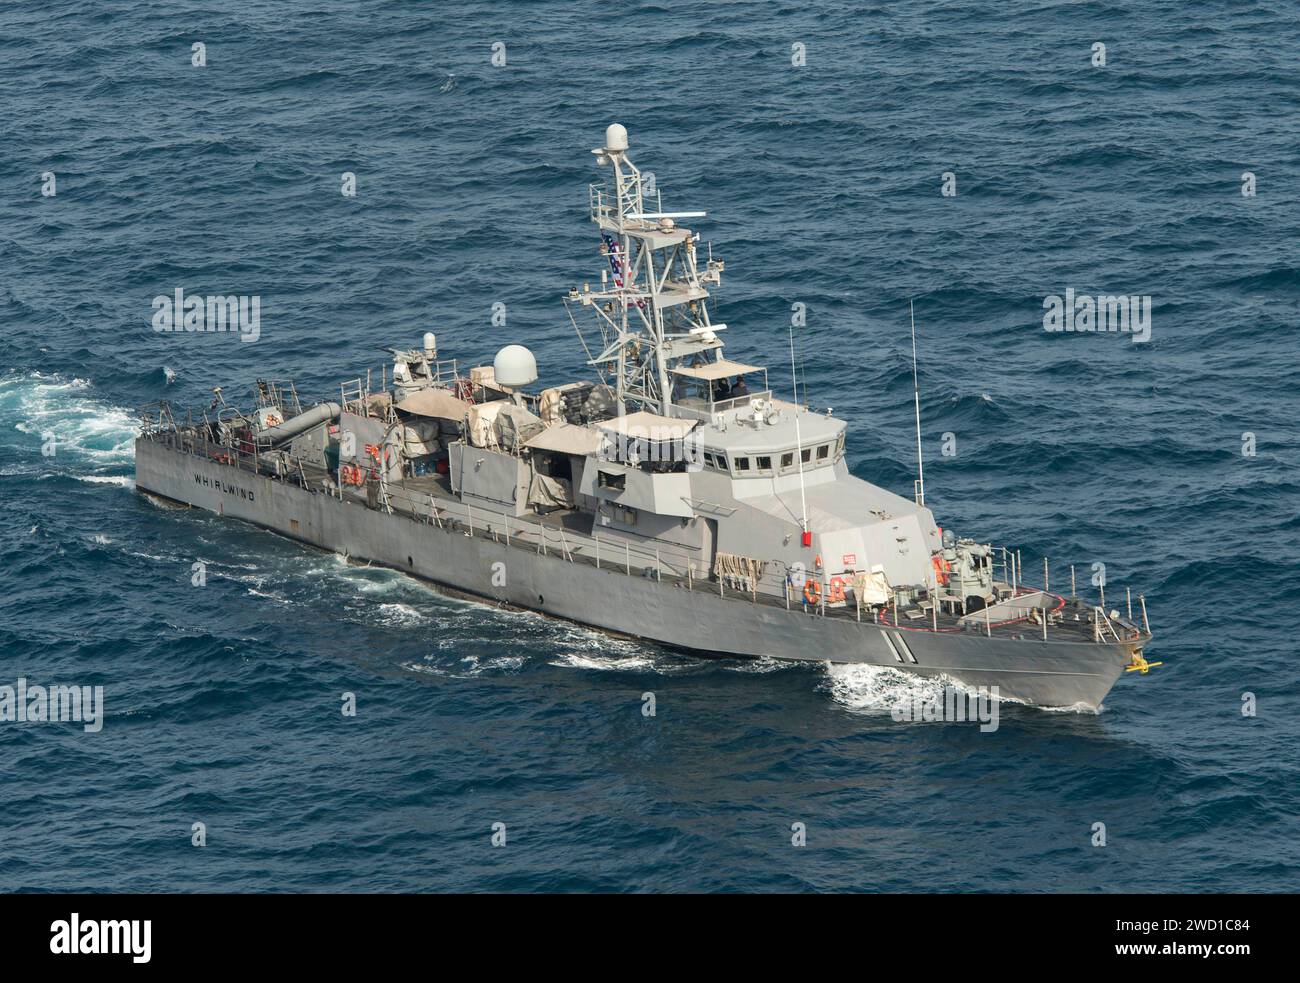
(673, 497)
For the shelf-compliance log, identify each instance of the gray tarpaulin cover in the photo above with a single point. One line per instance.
(513, 426)
(712, 371)
(436, 403)
(873, 587)
(547, 491)
(565, 438)
(649, 426)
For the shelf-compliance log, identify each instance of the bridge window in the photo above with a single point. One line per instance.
(742, 464)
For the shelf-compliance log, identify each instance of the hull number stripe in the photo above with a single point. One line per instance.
(903, 645)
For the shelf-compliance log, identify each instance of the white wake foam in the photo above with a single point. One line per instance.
(877, 690)
(51, 406)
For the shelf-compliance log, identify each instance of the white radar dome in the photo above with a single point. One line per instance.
(615, 137)
(514, 366)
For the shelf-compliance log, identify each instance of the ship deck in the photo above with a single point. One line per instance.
(567, 534)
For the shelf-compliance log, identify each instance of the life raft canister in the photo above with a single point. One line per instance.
(812, 591)
(941, 569)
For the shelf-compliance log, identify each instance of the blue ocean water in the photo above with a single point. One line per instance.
(822, 184)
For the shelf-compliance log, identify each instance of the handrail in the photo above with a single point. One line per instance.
(774, 587)
(714, 408)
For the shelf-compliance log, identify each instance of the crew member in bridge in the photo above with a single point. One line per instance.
(739, 388)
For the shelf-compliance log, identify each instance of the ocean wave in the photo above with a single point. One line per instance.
(46, 407)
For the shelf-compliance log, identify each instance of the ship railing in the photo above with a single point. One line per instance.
(164, 422)
(280, 393)
(445, 370)
(714, 408)
(660, 562)
(780, 584)
(597, 204)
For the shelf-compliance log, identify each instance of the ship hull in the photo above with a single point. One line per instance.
(1051, 673)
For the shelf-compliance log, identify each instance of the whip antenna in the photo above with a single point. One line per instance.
(916, 395)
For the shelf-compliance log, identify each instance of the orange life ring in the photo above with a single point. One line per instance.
(812, 591)
(941, 569)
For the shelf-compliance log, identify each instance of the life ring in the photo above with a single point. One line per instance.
(812, 591)
(941, 569)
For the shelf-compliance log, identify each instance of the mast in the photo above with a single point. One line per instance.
(916, 395)
(651, 306)
(798, 441)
